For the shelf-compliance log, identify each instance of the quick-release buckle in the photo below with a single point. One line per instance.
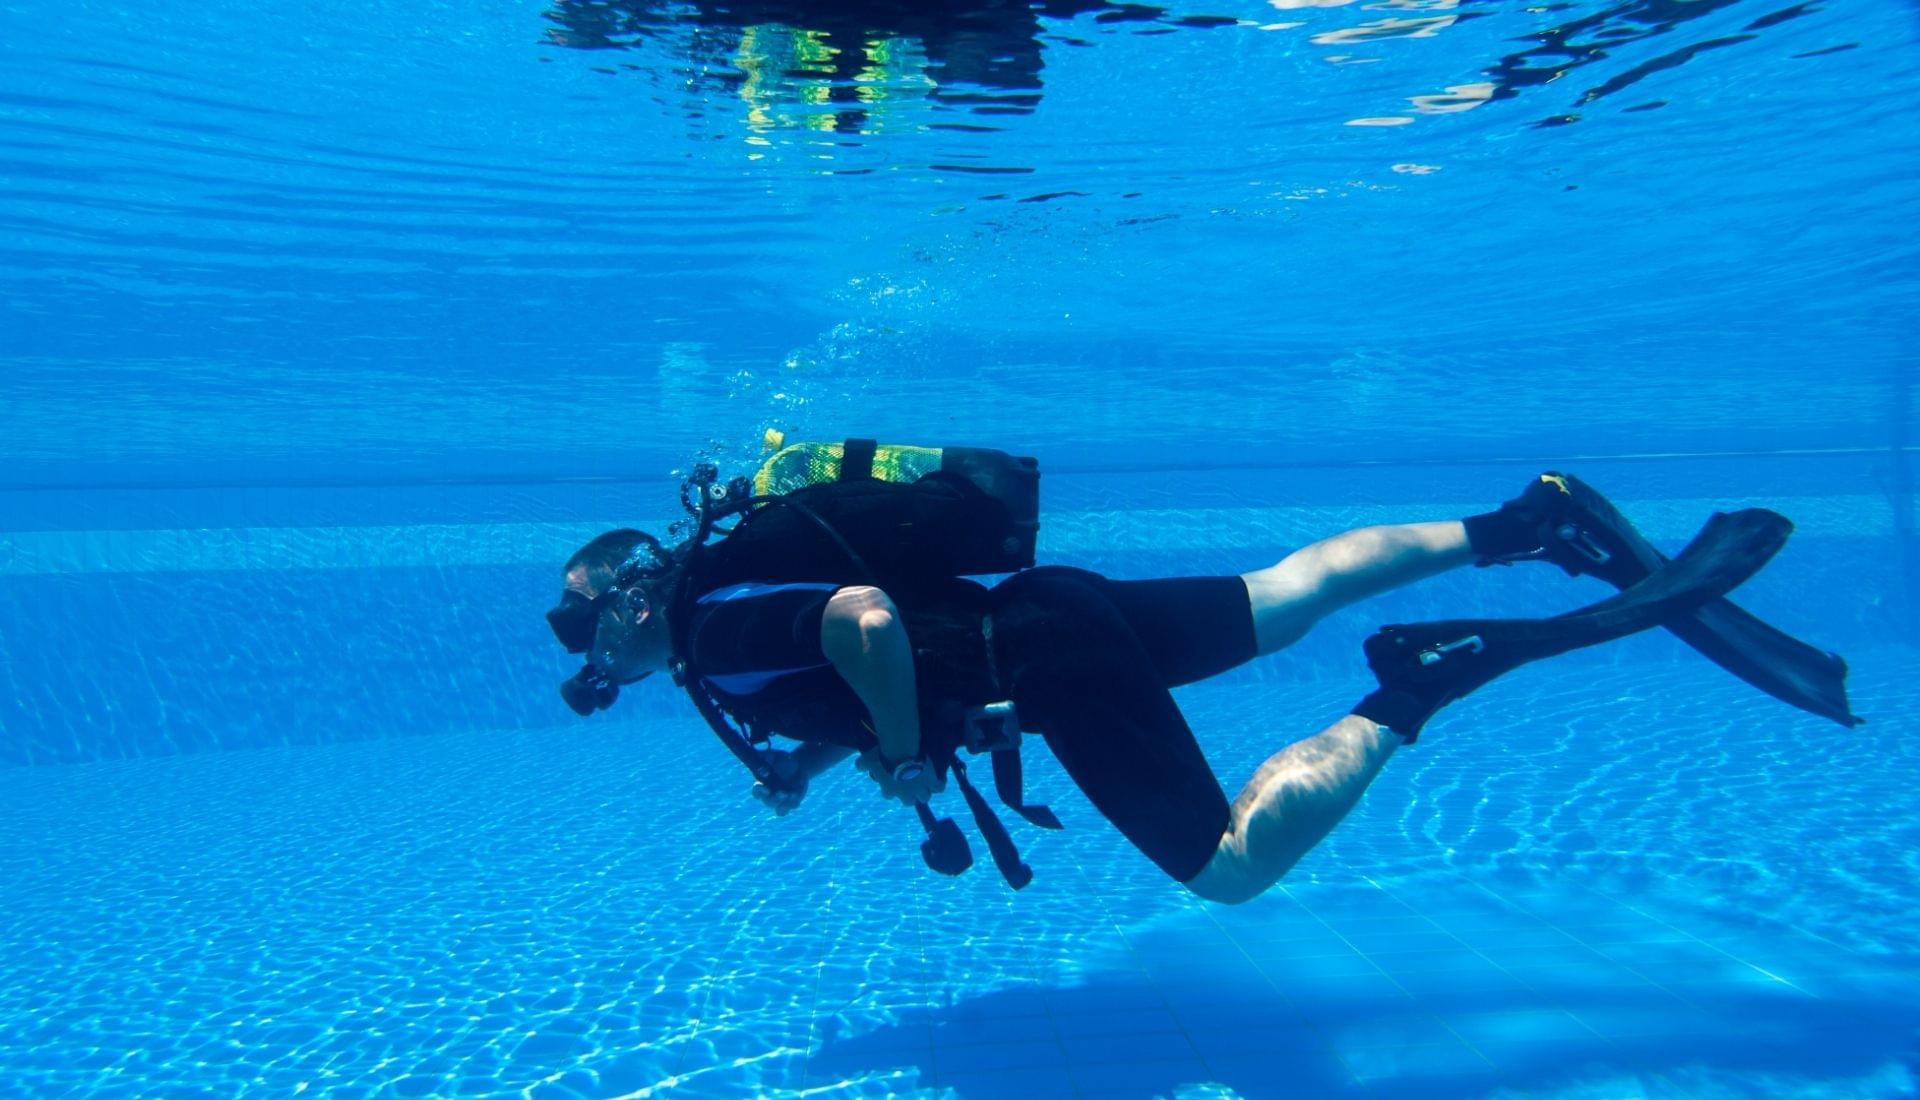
(992, 727)
(1582, 544)
(1433, 655)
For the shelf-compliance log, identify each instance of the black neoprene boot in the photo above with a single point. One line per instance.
(1520, 528)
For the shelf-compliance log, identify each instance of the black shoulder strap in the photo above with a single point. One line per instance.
(773, 769)
(856, 459)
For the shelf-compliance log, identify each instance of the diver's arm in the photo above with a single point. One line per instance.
(814, 757)
(809, 760)
(863, 637)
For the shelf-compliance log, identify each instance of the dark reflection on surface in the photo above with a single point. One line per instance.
(862, 67)
(1581, 42)
(822, 65)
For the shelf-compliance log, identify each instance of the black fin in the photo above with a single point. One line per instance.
(1424, 666)
(1600, 541)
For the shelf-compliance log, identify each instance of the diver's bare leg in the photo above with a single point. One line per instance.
(1291, 804)
(1314, 581)
(1296, 798)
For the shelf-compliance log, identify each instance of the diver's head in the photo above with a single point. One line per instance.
(613, 611)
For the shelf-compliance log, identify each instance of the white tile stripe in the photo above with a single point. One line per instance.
(1063, 536)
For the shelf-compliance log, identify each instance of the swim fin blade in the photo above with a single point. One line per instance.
(1424, 666)
(1596, 539)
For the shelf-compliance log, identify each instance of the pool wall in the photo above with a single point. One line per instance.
(146, 622)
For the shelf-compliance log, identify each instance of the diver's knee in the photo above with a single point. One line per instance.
(1225, 879)
(1284, 609)
(1229, 891)
(1280, 626)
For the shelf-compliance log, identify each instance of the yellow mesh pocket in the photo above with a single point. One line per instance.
(803, 464)
(905, 464)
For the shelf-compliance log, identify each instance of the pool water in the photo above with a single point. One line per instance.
(326, 334)
(1620, 873)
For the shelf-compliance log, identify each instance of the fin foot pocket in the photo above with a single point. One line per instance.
(1424, 666)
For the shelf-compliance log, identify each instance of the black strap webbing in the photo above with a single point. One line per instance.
(1000, 846)
(856, 459)
(1008, 783)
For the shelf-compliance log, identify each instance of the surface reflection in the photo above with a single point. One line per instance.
(848, 67)
(1612, 32)
(865, 67)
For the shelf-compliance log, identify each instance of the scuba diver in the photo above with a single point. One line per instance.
(838, 612)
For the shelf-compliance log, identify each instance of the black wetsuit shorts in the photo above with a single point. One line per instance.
(1088, 662)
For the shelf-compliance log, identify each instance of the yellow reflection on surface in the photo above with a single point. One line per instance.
(792, 75)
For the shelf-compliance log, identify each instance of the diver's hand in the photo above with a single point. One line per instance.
(929, 783)
(780, 802)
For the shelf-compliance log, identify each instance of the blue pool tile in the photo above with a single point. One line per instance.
(1024, 1083)
(1344, 988)
(970, 1030)
(1137, 1022)
(899, 1080)
(1739, 980)
(1375, 923)
(1421, 939)
(1400, 1026)
(1630, 932)
(1318, 968)
(1570, 973)
(1414, 1060)
(1483, 978)
(1271, 1040)
(1158, 1046)
(1448, 1003)
(1569, 955)
(1303, 1074)
(1519, 1025)
(903, 1043)
(1223, 959)
(1274, 1012)
(1137, 994)
(1251, 988)
(1664, 962)
(1328, 898)
(1517, 940)
(1466, 905)
(1198, 935)
(1136, 1079)
(1656, 1015)
(757, 1078)
(1456, 958)
(1001, 1004)
(999, 1056)
(1315, 945)
(1114, 1024)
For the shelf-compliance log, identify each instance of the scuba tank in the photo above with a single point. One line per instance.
(858, 512)
(861, 513)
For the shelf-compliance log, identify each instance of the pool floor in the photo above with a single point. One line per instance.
(601, 911)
